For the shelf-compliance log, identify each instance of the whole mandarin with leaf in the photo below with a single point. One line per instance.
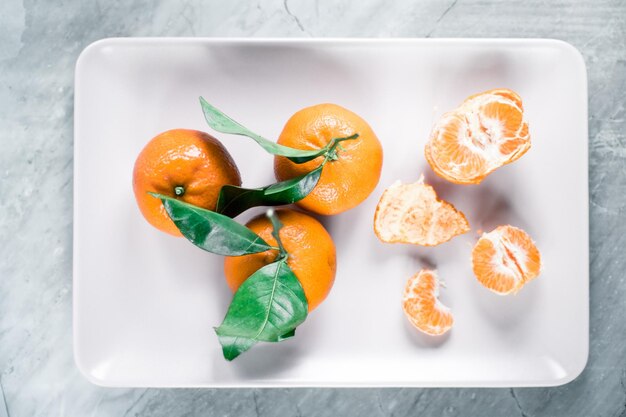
(312, 256)
(350, 175)
(189, 165)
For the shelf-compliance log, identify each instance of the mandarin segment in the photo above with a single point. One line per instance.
(346, 181)
(189, 165)
(504, 92)
(488, 130)
(421, 304)
(505, 259)
(312, 256)
(412, 213)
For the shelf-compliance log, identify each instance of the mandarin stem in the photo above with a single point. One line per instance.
(332, 146)
(276, 226)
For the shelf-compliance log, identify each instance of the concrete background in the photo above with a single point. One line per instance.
(39, 44)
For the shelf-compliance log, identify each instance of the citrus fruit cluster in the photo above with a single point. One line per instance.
(282, 265)
(487, 131)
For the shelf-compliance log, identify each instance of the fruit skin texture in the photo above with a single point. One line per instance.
(422, 307)
(344, 183)
(487, 131)
(190, 159)
(505, 259)
(311, 250)
(412, 213)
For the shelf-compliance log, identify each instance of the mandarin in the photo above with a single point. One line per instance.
(311, 250)
(346, 180)
(505, 259)
(189, 165)
(487, 131)
(421, 304)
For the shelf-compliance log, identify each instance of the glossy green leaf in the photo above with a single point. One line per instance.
(288, 335)
(212, 231)
(219, 121)
(267, 307)
(234, 346)
(234, 200)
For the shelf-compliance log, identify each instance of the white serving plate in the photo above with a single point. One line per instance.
(145, 303)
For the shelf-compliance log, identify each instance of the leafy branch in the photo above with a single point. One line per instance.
(234, 200)
(223, 123)
(212, 231)
(268, 306)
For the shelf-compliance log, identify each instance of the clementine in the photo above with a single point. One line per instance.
(422, 306)
(311, 252)
(186, 164)
(347, 179)
(505, 259)
(486, 132)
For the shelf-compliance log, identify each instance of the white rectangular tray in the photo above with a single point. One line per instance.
(145, 303)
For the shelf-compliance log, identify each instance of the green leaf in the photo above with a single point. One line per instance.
(288, 335)
(212, 231)
(223, 123)
(267, 307)
(234, 200)
(234, 346)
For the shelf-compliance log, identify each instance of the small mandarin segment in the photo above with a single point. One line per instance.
(412, 213)
(346, 181)
(487, 131)
(421, 304)
(186, 164)
(505, 259)
(312, 256)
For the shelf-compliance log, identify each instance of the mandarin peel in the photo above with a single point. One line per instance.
(412, 213)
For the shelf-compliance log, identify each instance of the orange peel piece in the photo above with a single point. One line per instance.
(412, 213)
(421, 304)
(505, 259)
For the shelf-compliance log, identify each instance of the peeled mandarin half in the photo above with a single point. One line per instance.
(412, 213)
(422, 306)
(505, 259)
(487, 131)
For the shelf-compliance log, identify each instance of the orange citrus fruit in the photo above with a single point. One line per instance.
(187, 164)
(487, 131)
(311, 252)
(505, 259)
(346, 181)
(412, 213)
(422, 306)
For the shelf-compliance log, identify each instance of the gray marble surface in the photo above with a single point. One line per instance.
(39, 44)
